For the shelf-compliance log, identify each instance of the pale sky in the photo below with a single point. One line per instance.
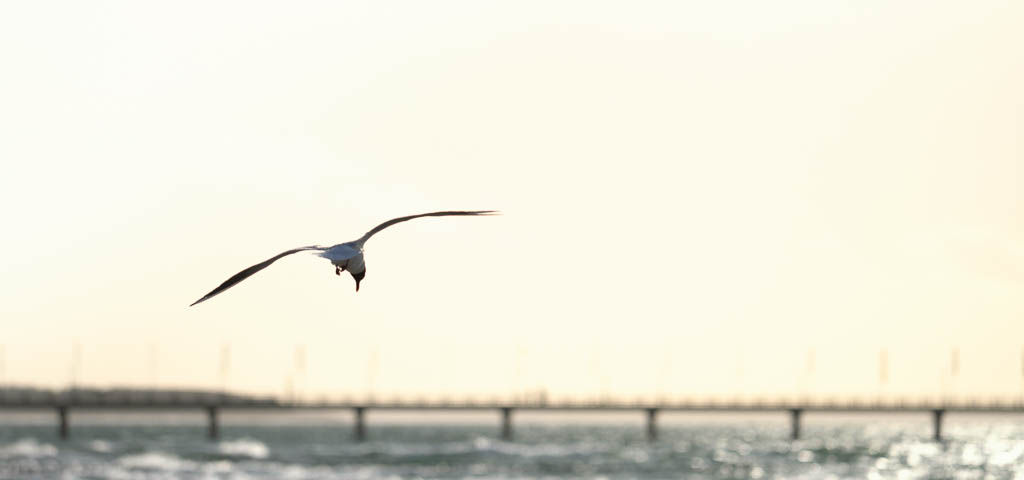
(697, 196)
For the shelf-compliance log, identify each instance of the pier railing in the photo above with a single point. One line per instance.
(63, 401)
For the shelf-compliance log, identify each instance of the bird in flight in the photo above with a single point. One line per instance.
(344, 256)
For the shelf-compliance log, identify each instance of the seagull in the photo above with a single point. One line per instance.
(344, 256)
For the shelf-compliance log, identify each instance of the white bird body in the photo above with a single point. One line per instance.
(347, 256)
(344, 256)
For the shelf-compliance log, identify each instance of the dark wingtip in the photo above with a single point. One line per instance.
(197, 301)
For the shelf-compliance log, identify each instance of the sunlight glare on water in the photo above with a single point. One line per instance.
(982, 450)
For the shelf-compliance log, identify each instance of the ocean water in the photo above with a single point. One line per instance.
(989, 449)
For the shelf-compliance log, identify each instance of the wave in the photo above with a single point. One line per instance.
(244, 447)
(478, 446)
(101, 446)
(156, 460)
(28, 447)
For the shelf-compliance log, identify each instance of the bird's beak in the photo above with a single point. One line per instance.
(357, 285)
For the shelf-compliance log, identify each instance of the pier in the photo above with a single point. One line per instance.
(64, 402)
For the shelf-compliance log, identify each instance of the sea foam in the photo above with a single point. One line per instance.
(156, 460)
(27, 447)
(244, 447)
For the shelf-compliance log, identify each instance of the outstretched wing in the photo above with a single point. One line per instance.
(410, 217)
(244, 274)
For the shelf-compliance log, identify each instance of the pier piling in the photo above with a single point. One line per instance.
(794, 416)
(62, 417)
(506, 423)
(652, 424)
(213, 428)
(360, 423)
(937, 423)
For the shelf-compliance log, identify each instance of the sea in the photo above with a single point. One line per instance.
(175, 447)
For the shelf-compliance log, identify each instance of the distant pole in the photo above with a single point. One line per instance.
(300, 358)
(883, 367)
(808, 374)
(520, 385)
(372, 367)
(954, 362)
(225, 367)
(602, 377)
(152, 365)
(954, 369)
(605, 388)
(740, 365)
(446, 360)
(810, 361)
(741, 385)
(289, 388)
(3, 365)
(76, 363)
(663, 374)
(300, 370)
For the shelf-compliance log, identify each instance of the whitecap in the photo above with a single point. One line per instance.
(156, 461)
(637, 455)
(244, 447)
(805, 456)
(482, 443)
(28, 447)
(218, 467)
(548, 449)
(971, 455)
(1006, 453)
(101, 446)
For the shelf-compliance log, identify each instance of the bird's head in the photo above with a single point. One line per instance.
(358, 277)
